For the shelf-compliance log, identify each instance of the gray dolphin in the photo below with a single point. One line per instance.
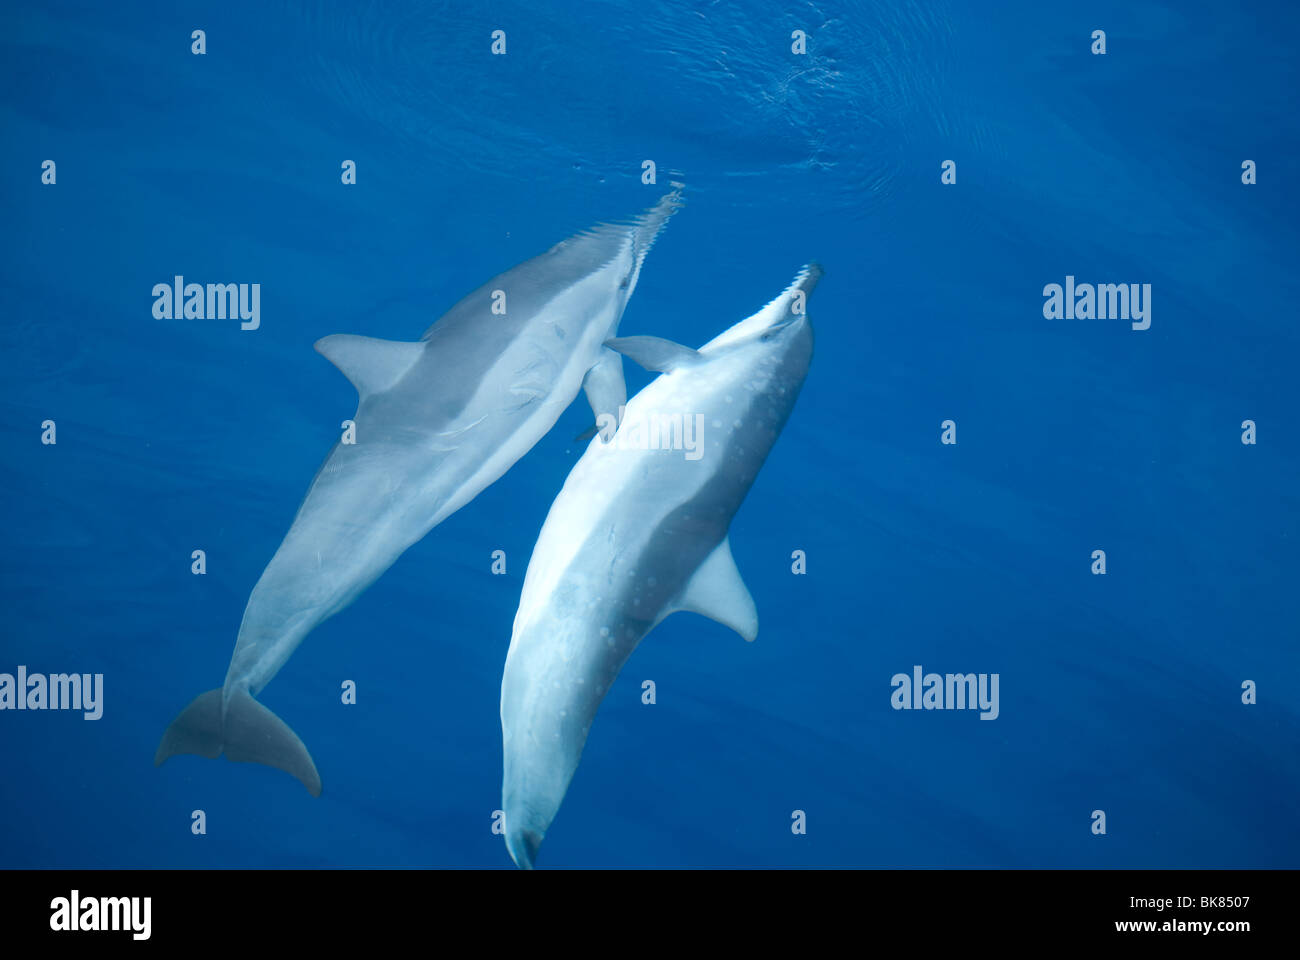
(438, 421)
(640, 531)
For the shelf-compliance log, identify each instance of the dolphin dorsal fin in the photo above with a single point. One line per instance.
(372, 365)
(717, 591)
(655, 354)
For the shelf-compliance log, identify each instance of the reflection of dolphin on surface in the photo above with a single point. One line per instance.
(438, 421)
(636, 534)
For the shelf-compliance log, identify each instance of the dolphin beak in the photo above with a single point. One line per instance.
(789, 320)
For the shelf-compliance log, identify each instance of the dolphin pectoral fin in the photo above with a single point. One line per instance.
(605, 389)
(250, 734)
(717, 591)
(655, 354)
(372, 365)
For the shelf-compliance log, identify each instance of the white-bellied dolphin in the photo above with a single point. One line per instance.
(640, 531)
(438, 420)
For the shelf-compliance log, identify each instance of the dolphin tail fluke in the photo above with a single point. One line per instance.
(249, 733)
(523, 847)
(256, 735)
(196, 730)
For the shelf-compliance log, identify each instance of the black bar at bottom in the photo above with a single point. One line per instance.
(332, 909)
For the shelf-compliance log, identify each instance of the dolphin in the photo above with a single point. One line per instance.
(438, 420)
(638, 532)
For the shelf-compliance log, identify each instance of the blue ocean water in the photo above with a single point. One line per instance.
(1120, 693)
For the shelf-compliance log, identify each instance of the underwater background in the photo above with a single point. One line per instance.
(1121, 693)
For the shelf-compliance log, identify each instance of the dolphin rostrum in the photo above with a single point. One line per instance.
(438, 421)
(638, 532)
